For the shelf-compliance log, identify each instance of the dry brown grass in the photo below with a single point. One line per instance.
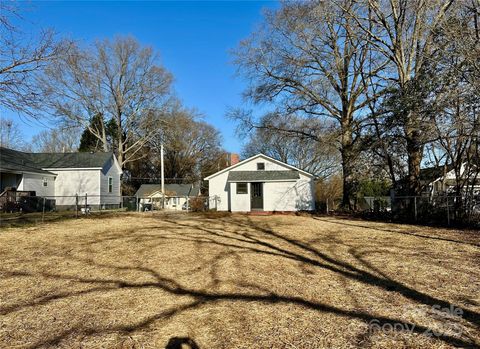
(228, 281)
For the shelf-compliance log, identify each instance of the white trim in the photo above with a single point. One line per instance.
(3, 170)
(257, 156)
(262, 180)
(166, 195)
(70, 168)
(117, 164)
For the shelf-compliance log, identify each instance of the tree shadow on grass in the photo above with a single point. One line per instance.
(343, 268)
(234, 235)
(181, 343)
(372, 227)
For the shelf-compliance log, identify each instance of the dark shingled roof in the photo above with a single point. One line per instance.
(430, 174)
(70, 160)
(147, 189)
(17, 161)
(252, 176)
(170, 190)
(35, 162)
(427, 175)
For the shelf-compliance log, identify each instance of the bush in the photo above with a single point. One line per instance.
(197, 204)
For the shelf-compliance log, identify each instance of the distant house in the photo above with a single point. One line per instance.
(176, 195)
(261, 183)
(61, 176)
(441, 179)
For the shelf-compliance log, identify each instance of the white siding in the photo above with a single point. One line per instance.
(240, 202)
(277, 195)
(251, 165)
(171, 203)
(175, 203)
(289, 196)
(34, 182)
(218, 191)
(110, 170)
(81, 182)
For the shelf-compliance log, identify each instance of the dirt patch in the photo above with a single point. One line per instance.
(149, 280)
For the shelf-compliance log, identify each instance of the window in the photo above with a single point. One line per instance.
(242, 188)
(45, 182)
(260, 166)
(110, 184)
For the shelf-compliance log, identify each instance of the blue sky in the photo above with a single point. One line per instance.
(193, 39)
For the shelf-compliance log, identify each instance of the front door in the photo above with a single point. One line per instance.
(256, 195)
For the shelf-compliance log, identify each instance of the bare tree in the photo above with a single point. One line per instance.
(192, 146)
(118, 80)
(11, 135)
(402, 31)
(308, 60)
(454, 76)
(22, 57)
(319, 157)
(61, 140)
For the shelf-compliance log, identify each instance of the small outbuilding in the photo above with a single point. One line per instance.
(176, 196)
(261, 183)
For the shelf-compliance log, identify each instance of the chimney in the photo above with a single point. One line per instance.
(234, 159)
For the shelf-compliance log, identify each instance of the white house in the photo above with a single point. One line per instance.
(176, 196)
(61, 176)
(261, 183)
(442, 179)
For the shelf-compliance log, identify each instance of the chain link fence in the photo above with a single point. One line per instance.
(364, 204)
(444, 210)
(177, 203)
(437, 210)
(21, 208)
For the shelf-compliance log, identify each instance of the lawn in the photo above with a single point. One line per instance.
(144, 280)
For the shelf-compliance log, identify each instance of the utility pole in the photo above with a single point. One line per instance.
(162, 175)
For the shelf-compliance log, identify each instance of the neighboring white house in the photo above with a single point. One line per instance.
(61, 176)
(441, 180)
(261, 183)
(176, 196)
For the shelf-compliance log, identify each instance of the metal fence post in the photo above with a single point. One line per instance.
(327, 205)
(76, 205)
(448, 213)
(43, 210)
(415, 206)
(86, 212)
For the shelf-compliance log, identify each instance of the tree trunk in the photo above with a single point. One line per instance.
(415, 155)
(120, 157)
(347, 164)
(348, 183)
(120, 142)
